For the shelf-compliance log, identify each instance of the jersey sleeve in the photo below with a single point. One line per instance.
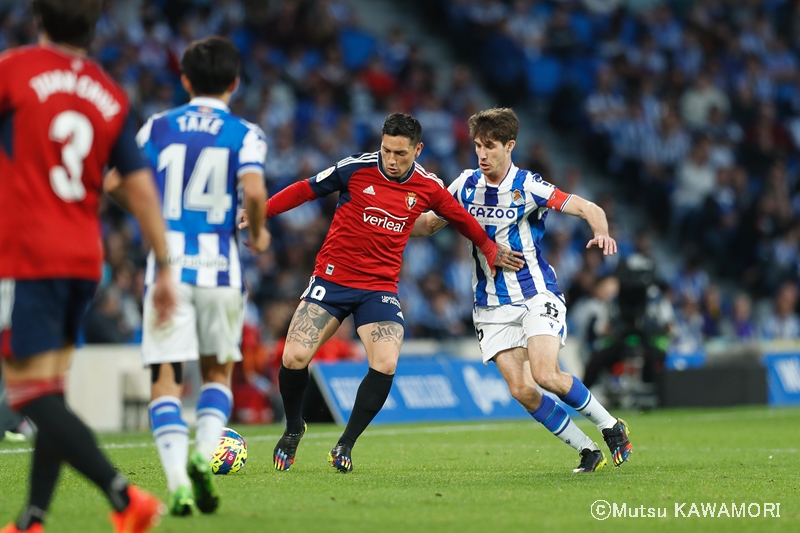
(546, 194)
(126, 156)
(454, 213)
(5, 79)
(335, 178)
(253, 153)
(454, 189)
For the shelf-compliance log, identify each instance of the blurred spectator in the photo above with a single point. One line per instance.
(689, 324)
(698, 101)
(695, 181)
(105, 323)
(782, 322)
(739, 326)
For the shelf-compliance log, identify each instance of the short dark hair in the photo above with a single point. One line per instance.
(70, 22)
(497, 124)
(211, 64)
(403, 125)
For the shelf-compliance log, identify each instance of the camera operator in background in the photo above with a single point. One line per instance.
(640, 325)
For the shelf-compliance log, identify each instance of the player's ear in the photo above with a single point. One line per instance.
(233, 86)
(510, 146)
(187, 85)
(418, 150)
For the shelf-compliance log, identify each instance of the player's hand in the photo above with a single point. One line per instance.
(244, 222)
(165, 296)
(260, 244)
(605, 243)
(508, 259)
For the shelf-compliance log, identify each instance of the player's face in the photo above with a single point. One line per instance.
(493, 156)
(398, 155)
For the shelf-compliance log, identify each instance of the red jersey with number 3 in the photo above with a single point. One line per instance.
(60, 118)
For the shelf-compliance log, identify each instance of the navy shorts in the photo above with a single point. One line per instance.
(365, 306)
(41, 315)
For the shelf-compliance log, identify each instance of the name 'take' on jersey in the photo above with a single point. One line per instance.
(198, 152)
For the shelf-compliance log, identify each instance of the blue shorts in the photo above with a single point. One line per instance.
(42, 314)
(365, 306)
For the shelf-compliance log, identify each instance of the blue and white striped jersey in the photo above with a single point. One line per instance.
(513, 215)
(198, 152)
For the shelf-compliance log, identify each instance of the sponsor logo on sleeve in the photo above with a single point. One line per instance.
(324, 174)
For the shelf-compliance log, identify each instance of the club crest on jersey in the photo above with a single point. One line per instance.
(411, 200)
(517, 198)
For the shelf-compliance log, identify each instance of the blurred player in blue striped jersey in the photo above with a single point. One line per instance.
(520, 317)
(205, 161)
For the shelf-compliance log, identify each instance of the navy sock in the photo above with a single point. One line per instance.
(293, 384)
(68, 439)
(371, 396)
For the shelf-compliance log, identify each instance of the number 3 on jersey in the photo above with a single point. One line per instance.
(207, 187)
(76, 132)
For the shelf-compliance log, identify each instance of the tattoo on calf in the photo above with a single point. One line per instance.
(307, 324)
(388, 331)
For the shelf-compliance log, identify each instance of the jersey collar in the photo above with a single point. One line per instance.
(400, 180)
(207, 101)
(512, 171)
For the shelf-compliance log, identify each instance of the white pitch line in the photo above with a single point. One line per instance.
(389, 432)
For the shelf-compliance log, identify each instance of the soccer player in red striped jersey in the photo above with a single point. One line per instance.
(381, 194)
(62, 121)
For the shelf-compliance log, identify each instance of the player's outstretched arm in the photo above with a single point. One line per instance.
(427, 224)
(141, 198)
(287, 199)
(496, 256)
(255, 199)
(596, 217)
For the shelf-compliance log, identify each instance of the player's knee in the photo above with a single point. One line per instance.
(385, 367)
(547, 379)
(294, 359)
(519, 391)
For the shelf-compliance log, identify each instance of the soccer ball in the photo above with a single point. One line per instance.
(231, 453)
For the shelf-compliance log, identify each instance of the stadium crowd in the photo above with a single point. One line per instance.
(692, 108)
(695, 113)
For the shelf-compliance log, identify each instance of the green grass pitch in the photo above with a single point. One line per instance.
(470, 477)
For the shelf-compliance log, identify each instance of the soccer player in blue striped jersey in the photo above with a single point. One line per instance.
(205, 160)
(520, 317)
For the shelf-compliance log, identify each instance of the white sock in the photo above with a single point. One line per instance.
(583, 401)
(172, 439)
(213, 410)
(575, 437)
(595, 412)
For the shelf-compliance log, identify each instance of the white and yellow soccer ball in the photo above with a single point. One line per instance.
(231, 453)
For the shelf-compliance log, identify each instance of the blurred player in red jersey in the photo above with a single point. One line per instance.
(381, 195)
(62, 121)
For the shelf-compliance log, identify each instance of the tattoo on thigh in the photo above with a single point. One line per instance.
(388, 331)
(307, 324)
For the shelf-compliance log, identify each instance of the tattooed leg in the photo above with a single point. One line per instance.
(311, 326)
(382, 341)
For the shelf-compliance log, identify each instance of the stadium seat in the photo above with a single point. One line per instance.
(544, 76)
(582, 26)
(357, 47)
(581, 73)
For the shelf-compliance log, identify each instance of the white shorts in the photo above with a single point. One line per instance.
(510, 326)
(207, 321)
